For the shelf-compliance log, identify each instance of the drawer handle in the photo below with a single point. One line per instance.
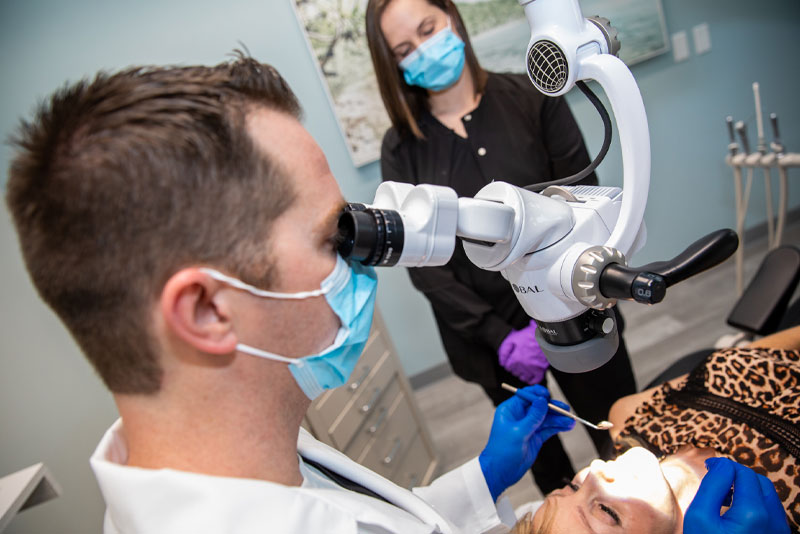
(379, 421)
(355, 385)
(389, 458)
(371, 402)
(412, 482)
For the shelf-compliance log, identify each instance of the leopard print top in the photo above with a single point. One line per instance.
(742, 402)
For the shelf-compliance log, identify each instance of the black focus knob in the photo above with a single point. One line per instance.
(601, 324)
(622, 282)
(648, 288)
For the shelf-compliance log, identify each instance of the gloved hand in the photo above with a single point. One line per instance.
(520, 355)
(521, 424)
(755, 508)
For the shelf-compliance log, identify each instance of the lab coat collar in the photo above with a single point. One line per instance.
(329, 457)
(167, 500)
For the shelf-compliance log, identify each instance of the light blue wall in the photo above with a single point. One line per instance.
(51, 406)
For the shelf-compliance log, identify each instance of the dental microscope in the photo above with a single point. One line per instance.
(563, 248)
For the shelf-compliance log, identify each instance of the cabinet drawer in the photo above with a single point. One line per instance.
(376, 422)
(347, 422)
(414, 468)
(332, 402)
(388, 448)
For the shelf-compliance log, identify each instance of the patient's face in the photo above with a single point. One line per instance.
(628, 495)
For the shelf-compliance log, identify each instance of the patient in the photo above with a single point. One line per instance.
(741, 403)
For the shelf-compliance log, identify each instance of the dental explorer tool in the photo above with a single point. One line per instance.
(602, 425)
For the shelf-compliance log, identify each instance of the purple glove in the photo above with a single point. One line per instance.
(520, 355)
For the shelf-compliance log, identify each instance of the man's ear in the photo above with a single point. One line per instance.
(193, 310)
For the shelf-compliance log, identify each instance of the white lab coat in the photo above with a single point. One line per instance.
(168, 501)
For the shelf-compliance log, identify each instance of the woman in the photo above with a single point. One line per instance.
(457, 125)
(742, 404)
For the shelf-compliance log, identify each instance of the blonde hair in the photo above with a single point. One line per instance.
(525, 524)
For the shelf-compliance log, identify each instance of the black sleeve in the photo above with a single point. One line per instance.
(394, 168)
(455, 304)
(564, 142)
(459, 307)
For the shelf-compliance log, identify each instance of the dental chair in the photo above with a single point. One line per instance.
(762, 309)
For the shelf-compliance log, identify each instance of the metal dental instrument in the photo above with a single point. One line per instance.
(761, 150)
(602, 425)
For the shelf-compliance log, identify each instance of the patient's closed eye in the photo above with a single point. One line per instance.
(605, 508)
(611, 513)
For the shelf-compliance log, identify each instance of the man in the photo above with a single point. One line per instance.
(183, 225)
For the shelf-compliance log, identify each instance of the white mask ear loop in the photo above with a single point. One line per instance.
(238, 284)
(268, 355)
(340, 275)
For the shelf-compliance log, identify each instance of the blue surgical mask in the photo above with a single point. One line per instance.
(350, 292)
(437, 63)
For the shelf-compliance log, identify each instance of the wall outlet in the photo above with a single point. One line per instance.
(680, 46)
(702, 39)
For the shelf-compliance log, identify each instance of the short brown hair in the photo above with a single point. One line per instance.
(404, 103)
(120, 181)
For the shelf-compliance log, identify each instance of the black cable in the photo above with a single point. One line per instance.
(603, 150)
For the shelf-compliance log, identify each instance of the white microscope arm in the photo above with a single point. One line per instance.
(563, 251)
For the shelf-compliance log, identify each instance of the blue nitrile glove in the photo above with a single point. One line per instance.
(755, 508)
(521, 424)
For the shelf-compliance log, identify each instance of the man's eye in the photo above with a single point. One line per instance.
(611, 513)
(337, 239)
(573, 487)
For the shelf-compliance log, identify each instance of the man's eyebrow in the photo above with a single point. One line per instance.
(328, 223)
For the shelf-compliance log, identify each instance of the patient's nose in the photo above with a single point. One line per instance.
(604, 471)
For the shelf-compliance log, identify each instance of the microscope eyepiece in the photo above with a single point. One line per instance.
(371, 236)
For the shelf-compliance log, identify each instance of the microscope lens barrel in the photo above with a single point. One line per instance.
(371, 236)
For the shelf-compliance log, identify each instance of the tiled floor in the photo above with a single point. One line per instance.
(691, 317)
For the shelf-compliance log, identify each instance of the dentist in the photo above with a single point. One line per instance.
(183, 225)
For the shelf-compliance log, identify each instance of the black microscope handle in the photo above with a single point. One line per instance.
(648, 284)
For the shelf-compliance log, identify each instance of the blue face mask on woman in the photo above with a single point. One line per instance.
(350, 292)
(437, 63)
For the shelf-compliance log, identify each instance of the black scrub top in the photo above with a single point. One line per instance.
(515, 135)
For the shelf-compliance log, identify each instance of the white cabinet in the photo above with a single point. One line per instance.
(374, 418)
